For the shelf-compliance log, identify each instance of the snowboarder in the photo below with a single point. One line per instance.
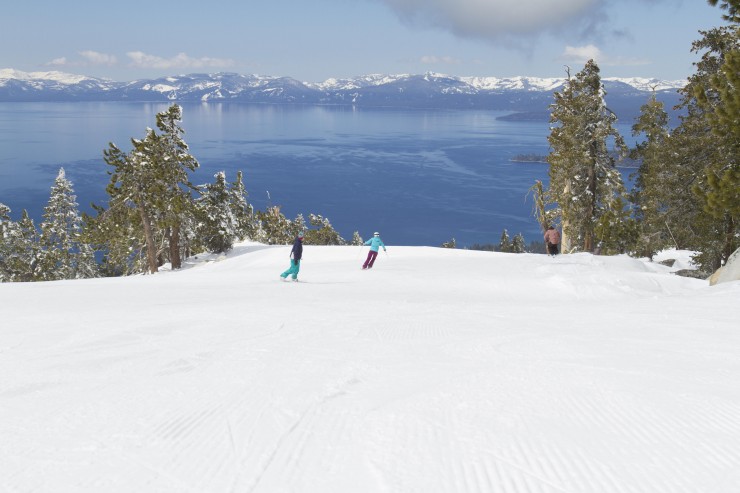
(375, 243)
(552, 239)
(295, 263)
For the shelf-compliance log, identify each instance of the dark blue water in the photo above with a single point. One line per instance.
(419, 177)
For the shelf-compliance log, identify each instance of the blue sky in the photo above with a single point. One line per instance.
(313, 40)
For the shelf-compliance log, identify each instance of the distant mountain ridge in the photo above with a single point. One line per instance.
(524, 95)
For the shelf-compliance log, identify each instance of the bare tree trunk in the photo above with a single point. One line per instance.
(565, 233)
(151, 249)
(588, 233)
(729, 247)
(175, 258)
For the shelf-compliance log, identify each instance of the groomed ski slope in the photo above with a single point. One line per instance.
(436, 371)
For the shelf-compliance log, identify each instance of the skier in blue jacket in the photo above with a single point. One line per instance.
(295, 262)
(375, 243)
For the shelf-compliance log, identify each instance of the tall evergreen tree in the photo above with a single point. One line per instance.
(720, 194)
(518, 244)
(153, 180)
(325, 234)
(276, 229)
(5, 225)
(705, 154)
(584, 183)
(65, 255)
(648, 191)
(504, 244)
(174, 202)
(22, 250)
(243, 212)
(217, 226)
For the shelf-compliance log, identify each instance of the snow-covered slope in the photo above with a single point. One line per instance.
(436, 371)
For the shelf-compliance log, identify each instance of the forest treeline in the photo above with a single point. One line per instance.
(687, 187)
(154, 216)
(686, 193)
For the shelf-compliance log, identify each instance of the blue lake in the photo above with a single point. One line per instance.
(420, 177)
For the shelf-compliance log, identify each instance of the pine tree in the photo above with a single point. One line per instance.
(275, 228)
(584, 183)
(65, 255)
(357, 239)
(22, 250)
(217, 226)
(173, 161)
(243, 212)
(450, 244)
(118, 233)
(325, 234)
(153, 180)
(731, 6)
(504, 244)
(720, 194)
(129, 188)
(701, 153)
(5, 225)
(648, 193)
(518, 245)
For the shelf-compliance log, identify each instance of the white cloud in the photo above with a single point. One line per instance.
(181, 60)
(89, 58)
(582, 54)
(439, 60)
(59, 62)
(97, 58)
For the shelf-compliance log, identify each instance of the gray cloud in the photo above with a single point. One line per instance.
(506, 20)
(492, 19)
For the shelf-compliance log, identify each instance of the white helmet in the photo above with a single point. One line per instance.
(376, 234)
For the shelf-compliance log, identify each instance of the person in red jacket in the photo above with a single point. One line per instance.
(552, 239)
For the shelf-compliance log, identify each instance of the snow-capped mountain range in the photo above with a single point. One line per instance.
(430, 90)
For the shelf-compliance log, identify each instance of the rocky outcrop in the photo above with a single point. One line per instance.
(729, 272)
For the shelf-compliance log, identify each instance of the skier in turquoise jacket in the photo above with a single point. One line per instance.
(375, 243)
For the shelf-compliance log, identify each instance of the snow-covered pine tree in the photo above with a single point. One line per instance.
(173, 161)
(518, 245)
(504, 244)
(22, 250)
(65, 256)
(130, 188)
(276, 229)
(357, 239)
(584, 183)
(5, 225)
(217, 226)
(246, 221)
(118, 233)
(153, 180)
(450, 244)
(325, 234)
